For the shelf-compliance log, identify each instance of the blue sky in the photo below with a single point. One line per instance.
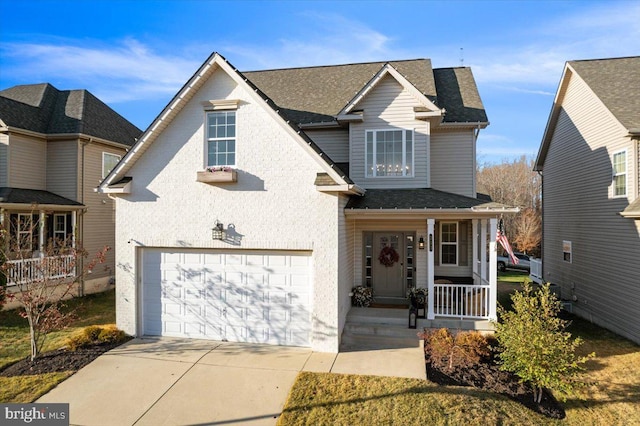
(135, 55)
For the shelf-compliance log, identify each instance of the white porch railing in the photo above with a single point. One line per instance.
(53, 267)
(461, 301)
(535, 273)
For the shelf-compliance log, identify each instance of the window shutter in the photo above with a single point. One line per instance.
(463, 255)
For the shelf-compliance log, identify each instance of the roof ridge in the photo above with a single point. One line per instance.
(338, 65)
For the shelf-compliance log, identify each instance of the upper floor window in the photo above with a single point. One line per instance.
(221, 138)
(389, 153)
(109, 161)
(620, 174)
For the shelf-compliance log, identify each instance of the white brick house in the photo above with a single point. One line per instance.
(303, 209)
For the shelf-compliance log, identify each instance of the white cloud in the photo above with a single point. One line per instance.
(127, 71)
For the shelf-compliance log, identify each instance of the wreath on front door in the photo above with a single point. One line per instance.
(388, 256)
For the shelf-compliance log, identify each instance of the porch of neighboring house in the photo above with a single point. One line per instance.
(40, 235)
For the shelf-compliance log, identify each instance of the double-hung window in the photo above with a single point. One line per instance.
(25, 227)
(59, 228)
(389, 153)
(221, 138)
(449, 243)
(620, 174)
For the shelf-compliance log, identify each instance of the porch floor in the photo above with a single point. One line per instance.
(384, 328)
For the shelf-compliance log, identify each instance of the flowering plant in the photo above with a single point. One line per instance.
(361, 296)
(419, 294)
(213, 169)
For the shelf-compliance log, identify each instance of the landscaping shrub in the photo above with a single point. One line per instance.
(96, 335)
(535, 346)
(465, 349)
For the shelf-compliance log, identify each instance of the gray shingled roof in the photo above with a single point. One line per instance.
(616, 82)
(44, 109)
(318, 94)
(417, 199)
(33, 196)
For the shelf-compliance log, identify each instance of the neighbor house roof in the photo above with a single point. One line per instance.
(615, 81)
(44, 109)
(33, 197)
(318, 94)
(419, 199)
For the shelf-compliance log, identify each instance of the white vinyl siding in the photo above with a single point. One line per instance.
(109, 161)
(333, 142)
(578, 207)
(619, 161)
(28, 167)
(389, 107)
(63, 158)
(453, 162)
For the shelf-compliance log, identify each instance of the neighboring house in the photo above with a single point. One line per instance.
(336, 176)
(590, 163)
(55, 147)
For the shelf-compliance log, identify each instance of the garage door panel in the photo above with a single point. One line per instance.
(242, 296)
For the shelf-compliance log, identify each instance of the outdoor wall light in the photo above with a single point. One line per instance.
(217, 232)
(421, 243)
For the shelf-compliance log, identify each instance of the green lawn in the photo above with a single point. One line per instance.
(328, 399)
(14, 344)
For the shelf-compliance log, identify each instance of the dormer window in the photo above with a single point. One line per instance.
(389, 153)
(221, 138)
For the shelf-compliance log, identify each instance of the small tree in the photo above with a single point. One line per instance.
(41, 284)
(534, 344)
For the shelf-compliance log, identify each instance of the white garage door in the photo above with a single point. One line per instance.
(239, 296)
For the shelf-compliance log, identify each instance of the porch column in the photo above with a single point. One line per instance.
(493, 269)
(483, 249)
(430, 268)
(41, 234)
(474, 239)
(74, 222)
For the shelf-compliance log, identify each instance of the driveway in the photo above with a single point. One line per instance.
(168, 381)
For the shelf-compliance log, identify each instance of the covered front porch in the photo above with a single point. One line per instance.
(39, 240)
(444, 243)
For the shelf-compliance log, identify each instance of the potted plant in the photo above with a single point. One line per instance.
(418, 298)
(361, 296)
(217, 174)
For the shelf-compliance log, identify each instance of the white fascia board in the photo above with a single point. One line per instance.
(349, 189)
(406, 84)
(463, 213)
(126, 189)
(162, 120)
(39, 207)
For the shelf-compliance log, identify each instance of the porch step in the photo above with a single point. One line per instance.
(379, 328)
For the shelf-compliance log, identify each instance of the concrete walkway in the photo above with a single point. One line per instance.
(168, 381)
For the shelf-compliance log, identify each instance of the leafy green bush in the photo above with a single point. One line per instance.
(534, 344)
(446, 351)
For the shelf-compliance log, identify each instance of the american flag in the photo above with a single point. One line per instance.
(504, 242)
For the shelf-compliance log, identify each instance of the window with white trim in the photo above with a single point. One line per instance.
(449, 243)
(109, 161)
(221, 138)
(389, 153)
(59, 228)
(25, 228)
(619, 160)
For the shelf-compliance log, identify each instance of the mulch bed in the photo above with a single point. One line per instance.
(57, 361)
(488, 376)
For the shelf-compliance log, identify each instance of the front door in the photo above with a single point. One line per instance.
(388, 263)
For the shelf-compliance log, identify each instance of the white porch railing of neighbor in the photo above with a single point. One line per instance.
(461, 301)
(536, 270)
(53, 267)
